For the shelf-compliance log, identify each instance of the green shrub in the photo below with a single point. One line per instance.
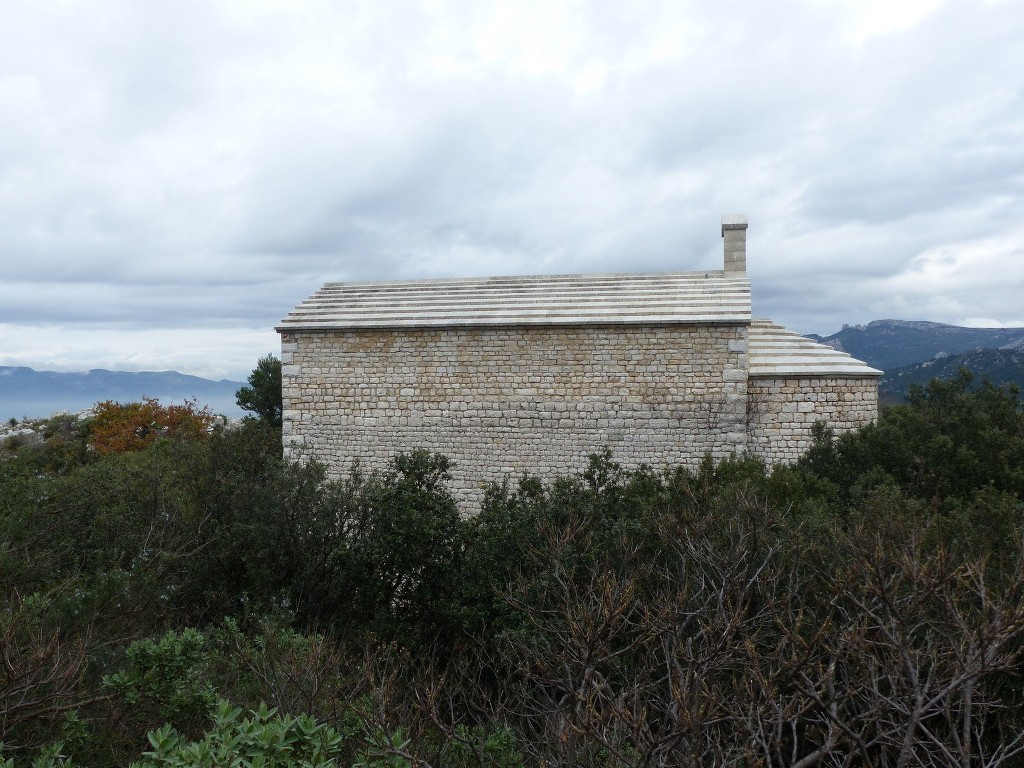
(261, 740)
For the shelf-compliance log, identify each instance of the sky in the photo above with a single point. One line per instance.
(176, 176)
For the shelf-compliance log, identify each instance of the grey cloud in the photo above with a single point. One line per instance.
(217, 162)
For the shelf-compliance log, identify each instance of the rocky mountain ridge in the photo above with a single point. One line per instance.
(888, 344)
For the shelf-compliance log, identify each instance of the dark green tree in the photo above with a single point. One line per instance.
(263, 395)
(952, 439)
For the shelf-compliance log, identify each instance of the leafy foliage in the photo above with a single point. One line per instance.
(118, 427)
(263, 396)
(949, 442)
(264, 738)
(166, 681)
(860, 607)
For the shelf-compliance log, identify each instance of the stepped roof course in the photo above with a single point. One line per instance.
(775, 351)
(610, 299)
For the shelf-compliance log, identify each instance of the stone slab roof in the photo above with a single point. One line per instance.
(612, 299)
(774, 351)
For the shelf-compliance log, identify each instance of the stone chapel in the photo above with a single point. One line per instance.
(507, 375)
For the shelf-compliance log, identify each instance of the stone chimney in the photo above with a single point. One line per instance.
(734, 230)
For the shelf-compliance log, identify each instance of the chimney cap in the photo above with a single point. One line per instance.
(734, 221)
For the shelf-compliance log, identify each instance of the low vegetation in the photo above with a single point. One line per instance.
(184, 597)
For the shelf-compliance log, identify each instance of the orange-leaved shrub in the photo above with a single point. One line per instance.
(120, 427)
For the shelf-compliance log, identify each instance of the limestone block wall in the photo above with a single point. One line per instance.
(503, 401)
(782, 411)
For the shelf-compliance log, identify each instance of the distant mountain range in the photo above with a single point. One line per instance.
(914, 352)
(36, 394)
(887, 344)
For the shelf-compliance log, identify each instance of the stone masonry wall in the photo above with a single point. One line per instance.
(504, 401)
(781, 412)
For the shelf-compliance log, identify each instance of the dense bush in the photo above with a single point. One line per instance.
(118, 427)
(946, 444)
(862, 606)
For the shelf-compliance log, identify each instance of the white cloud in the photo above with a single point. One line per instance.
(869, 18)
(989, 322)
(213, 353)
(207, 165)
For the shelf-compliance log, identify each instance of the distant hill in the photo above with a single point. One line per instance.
(888, 344)
(36, 394)
(1000, 366)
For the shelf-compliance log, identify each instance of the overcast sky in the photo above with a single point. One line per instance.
(174, 177)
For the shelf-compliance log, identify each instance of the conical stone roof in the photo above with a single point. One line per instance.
(775, 351)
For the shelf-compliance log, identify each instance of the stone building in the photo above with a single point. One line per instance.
(506, 375)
